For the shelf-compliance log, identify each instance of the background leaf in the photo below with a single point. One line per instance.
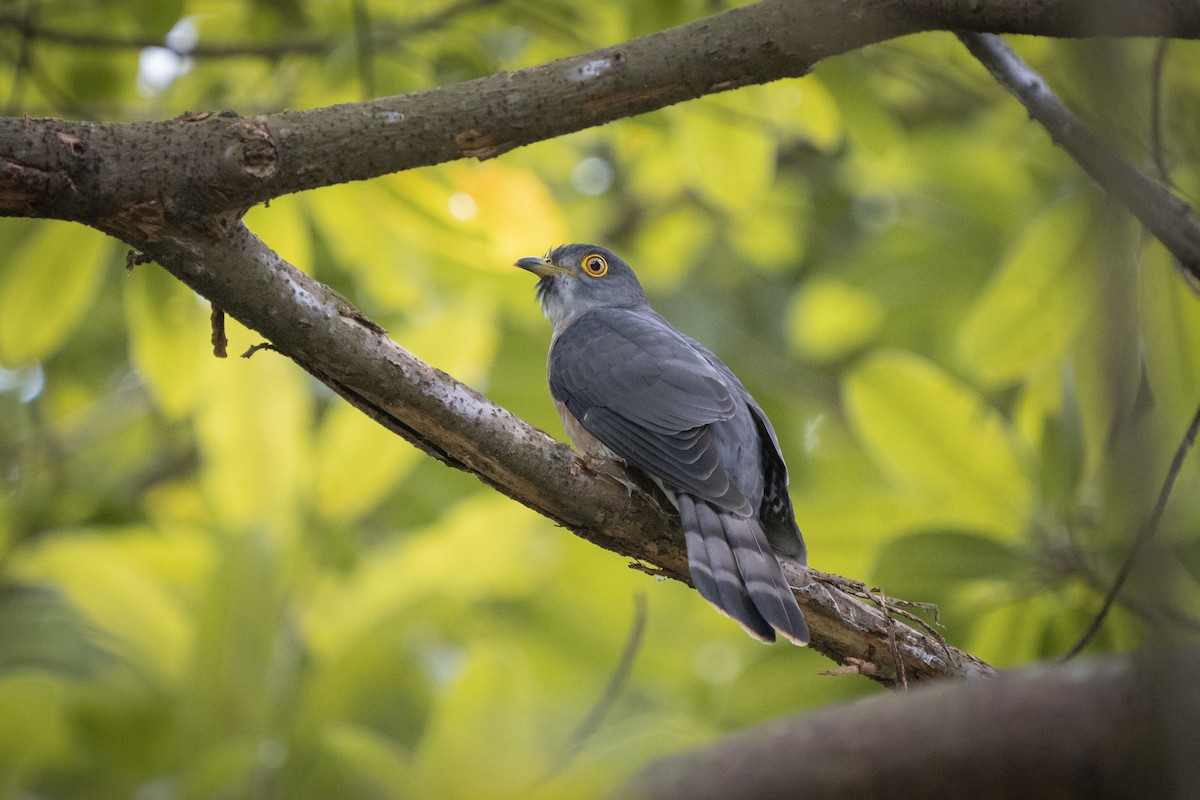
(940, 441)
(247, 589)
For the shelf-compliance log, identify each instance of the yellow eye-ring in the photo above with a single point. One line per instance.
(595, 265)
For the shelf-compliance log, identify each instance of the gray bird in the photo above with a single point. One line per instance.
(628, 384)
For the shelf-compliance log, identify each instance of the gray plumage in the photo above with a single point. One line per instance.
(627, 383)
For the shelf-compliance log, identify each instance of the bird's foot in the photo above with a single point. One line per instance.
(583, 462)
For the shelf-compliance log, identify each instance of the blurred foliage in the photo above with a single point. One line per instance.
(217, 580)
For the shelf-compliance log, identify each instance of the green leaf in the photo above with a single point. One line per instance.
(939, 439)
(157, 16)
(40, 630)
(170, 337)
(242, 655)
(47, 282)
(360, 463)
(1108, 358)
(368, 761)
(920, 564)
(1036, 303)
(829, 319)
(253, 424)
(728, 157)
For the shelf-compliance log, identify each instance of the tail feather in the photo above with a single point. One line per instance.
(764, 580)
(714, 568)
(734, 568)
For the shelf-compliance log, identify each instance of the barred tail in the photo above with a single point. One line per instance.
(734, 568)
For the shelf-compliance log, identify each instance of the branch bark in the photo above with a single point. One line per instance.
(1167, 217)
(1115, 727)
(332, 340)
(177, 191)
(206, 169)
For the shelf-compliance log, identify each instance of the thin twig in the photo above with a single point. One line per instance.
(616, 682)
(1160, 613)
(386, 37)
(1143, 538)
(220, 342)
(252, 349)
(895, 607)
(1163, 214)
(885, 608)
(1156, 110)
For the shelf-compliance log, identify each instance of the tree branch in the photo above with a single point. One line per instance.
(213, 167)
(1167, 217)
(1078, 731)
(177, 190)
(317, 328)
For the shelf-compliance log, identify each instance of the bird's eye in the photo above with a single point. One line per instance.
(595, 265)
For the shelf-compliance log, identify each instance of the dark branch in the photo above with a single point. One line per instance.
(134, 180)
(1102, 728)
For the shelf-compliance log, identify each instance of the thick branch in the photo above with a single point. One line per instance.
(324, 334)
(1106, 728)
(132, 180)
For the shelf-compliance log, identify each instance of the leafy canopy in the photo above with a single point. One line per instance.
(218, 580)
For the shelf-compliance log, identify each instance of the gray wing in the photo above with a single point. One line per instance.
(650, 395)
(775, 508)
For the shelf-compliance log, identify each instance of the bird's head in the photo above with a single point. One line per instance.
(576, 278)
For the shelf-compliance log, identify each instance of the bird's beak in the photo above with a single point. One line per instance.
(539, 265)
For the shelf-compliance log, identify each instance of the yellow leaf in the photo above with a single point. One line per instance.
(511, 208)
(47, 282)
(367, 759)
(284, 228)
(804, 108)
(1170, 322)
(37, 725)
(1033, 309)
(360, 461)
(775, 234)
(361, 224)
(490, 719)
(667, 244)
(113, 578)
(830, 319)
(729, 159)
(253, 429)
(459, 338)
(169, 337)
(940, 439)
